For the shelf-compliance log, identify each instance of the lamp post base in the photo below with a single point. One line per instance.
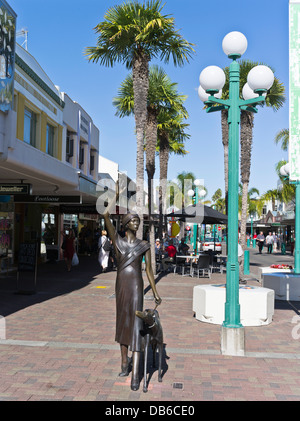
(233, 341)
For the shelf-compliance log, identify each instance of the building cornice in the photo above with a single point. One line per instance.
(24, 66)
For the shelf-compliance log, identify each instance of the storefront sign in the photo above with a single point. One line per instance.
(91, 209)
(14, 189)
(7, 55)
(294, 87)
(45, 198)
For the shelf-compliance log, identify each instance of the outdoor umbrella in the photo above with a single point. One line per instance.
(200, 214)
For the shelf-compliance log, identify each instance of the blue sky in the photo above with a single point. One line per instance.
(59, 31)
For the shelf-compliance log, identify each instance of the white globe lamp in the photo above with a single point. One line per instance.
(212, 79)
(204, 96)
(248, 93)
(260, 78)
(234, 44)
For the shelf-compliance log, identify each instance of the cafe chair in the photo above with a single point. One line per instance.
(202, 266)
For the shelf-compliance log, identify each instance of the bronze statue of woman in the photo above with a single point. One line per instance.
(130, 291)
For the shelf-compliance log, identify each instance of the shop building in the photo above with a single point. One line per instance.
(48, 158)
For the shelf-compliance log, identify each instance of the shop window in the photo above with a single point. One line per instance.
(92, 163)
(81, 156)
(50, 140)
(30, 120)
(69, 147)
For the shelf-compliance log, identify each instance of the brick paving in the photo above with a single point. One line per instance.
(60, 346)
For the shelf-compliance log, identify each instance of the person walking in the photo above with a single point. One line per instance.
(240, 260)
(260, 241)
(270, 242)
(104, 247)
(275, 245)
(69, 248)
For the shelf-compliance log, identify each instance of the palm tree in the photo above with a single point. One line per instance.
(283, 137)
(133, 34)
(162, 95)
(171, 138)
(275, 99)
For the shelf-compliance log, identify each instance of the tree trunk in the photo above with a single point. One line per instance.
(163, 177)
(246, 150)
(225, 132)
(140, 76)
(151, 141)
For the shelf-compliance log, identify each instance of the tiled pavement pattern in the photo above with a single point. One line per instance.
(60, 343)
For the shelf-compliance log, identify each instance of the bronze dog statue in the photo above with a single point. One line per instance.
(153, 334)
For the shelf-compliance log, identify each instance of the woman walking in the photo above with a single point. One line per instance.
(69, 248)
(104, 250)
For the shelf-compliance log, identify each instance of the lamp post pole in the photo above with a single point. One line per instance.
(234, 45)
(297, 230)
(285, 172)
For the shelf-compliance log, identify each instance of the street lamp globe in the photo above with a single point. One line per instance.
(285, 170)
(202, 193)
(260, 78)
(197, 182)
(248, 93)
(204, 96)
(191, 193)
(212, 79)
(234, 44)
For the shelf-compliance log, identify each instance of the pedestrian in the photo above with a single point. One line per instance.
(104, 248)
(240, 260)
(260, 241)
(270, 242)
(158, 249)
(183, 248)
(171, 254)
(69, 248)
(275, 245)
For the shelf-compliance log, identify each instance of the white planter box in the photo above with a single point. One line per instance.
(285, 286)
(256, 304)
(267, 269)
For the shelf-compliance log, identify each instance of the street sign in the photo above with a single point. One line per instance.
(294, 90)
(46, 198)
(15, 189)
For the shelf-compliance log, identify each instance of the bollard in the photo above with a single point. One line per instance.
(248, 243)
(246, 262)
(283, 248)
(254, 244)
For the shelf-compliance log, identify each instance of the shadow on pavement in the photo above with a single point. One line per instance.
(53, 280)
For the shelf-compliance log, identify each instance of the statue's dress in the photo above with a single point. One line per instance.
(129, 291)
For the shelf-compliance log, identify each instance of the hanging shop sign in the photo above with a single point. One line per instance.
(45, 198)
(7, 55)
(15, 189)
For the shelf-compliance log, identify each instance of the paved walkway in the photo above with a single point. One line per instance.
(60, 345)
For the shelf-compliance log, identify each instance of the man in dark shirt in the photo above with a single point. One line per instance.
(260, 241)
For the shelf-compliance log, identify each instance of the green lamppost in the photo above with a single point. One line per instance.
(285, 171)
(212, 80)
(195, 195)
